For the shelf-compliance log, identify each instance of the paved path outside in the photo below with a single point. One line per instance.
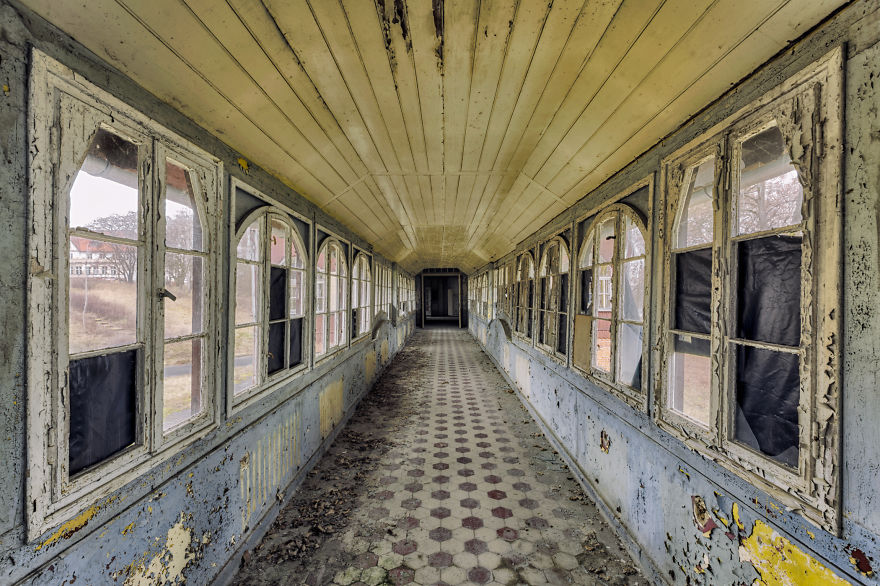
(440, 477)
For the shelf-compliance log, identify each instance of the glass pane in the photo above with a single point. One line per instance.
(102, 295)
(183, 227)
(334, 260)
(690, 376)
(601, 345)
(342, 293)
(587, 252)
(247, 293)
(355, 291)
(695, 223)
(635, 240)
(322, 260)
(365, 294)
(184, 277)
(320, 334)
(297, 258)
(604, 290)
(767, 399)
(247, 349)
(320, 293)
(770, 193)
(182, 382)
(332, 331)
(297, 280)
(633, 299)
(333, 292)
(629, 355)
(342, 324)
(277, 241)
(693, 291)
(607, 239)
(249, 245)
(104, 195)
(564, 260)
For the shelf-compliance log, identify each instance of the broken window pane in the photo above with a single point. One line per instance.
(247, 349)
(606, 239)
(277, 293)
(633, 282)
(102, 307)
(277, 242)
(769, 289)
(602, 344)
(104, 196)
(249, 245)
(690, 374)
(695, 222)
(635, 241)
(103, 407)
(767, 399)
(693, 291)
(184, 279)
(629, 355)
(183, 227)
(277, 352)
(770, 193)
(248, 298)
(182, 382)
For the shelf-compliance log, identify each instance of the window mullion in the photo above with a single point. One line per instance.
(723, 271)
(154, 239)
(265, 256)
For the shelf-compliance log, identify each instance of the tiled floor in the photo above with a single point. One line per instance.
(440, 477)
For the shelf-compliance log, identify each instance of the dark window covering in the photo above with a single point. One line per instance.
(275, 357)
(586, 305)
(245, 203)
(277, 293)
(296, 354)
(693, 291)
(103, 407)
(767, 398)
(769, 290)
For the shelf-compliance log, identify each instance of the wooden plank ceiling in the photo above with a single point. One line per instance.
(441, 132)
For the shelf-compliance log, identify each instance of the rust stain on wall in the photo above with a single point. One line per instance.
(861, 562)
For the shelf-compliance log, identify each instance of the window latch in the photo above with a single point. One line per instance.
(166, 294)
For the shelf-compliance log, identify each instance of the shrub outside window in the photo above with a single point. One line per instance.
(270, 303)
(749, 353)
(331, 298)
(609, 328)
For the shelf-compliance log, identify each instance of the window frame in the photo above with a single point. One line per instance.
(637, 398)
(268, 384)
(361, 255)
(527, 335)
(807, 105)
(345, 248)
(563, 304)
(54, 495)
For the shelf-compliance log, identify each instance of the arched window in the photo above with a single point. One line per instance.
(361, 281)
(525, 294)
(331, 298)
(609, 330)
(553, 297)
(270, 300)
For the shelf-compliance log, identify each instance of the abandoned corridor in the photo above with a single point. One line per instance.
(440, 477)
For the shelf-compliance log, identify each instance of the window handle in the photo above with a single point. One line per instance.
(166, 294)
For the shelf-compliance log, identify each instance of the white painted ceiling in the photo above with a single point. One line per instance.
(441, 132)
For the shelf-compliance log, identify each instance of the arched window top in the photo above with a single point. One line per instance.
(599, 243)
(694, 221)
(361, 268)
(525, 268)
(285, 245)
(331, 258)
(555, 260)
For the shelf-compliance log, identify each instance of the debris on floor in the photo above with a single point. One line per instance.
(438, 479)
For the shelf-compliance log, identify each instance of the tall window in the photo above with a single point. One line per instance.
(383, 288)
(361, 290)
(609, 326)
(270, 301)
(750, 341)
(331, 300)
(553, 297)
(525, 294)
(121, 312)
(405, 294)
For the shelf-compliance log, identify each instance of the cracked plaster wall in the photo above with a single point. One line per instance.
(185, 518)
(647, 482)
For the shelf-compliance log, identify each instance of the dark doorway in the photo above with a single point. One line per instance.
(441, 300)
